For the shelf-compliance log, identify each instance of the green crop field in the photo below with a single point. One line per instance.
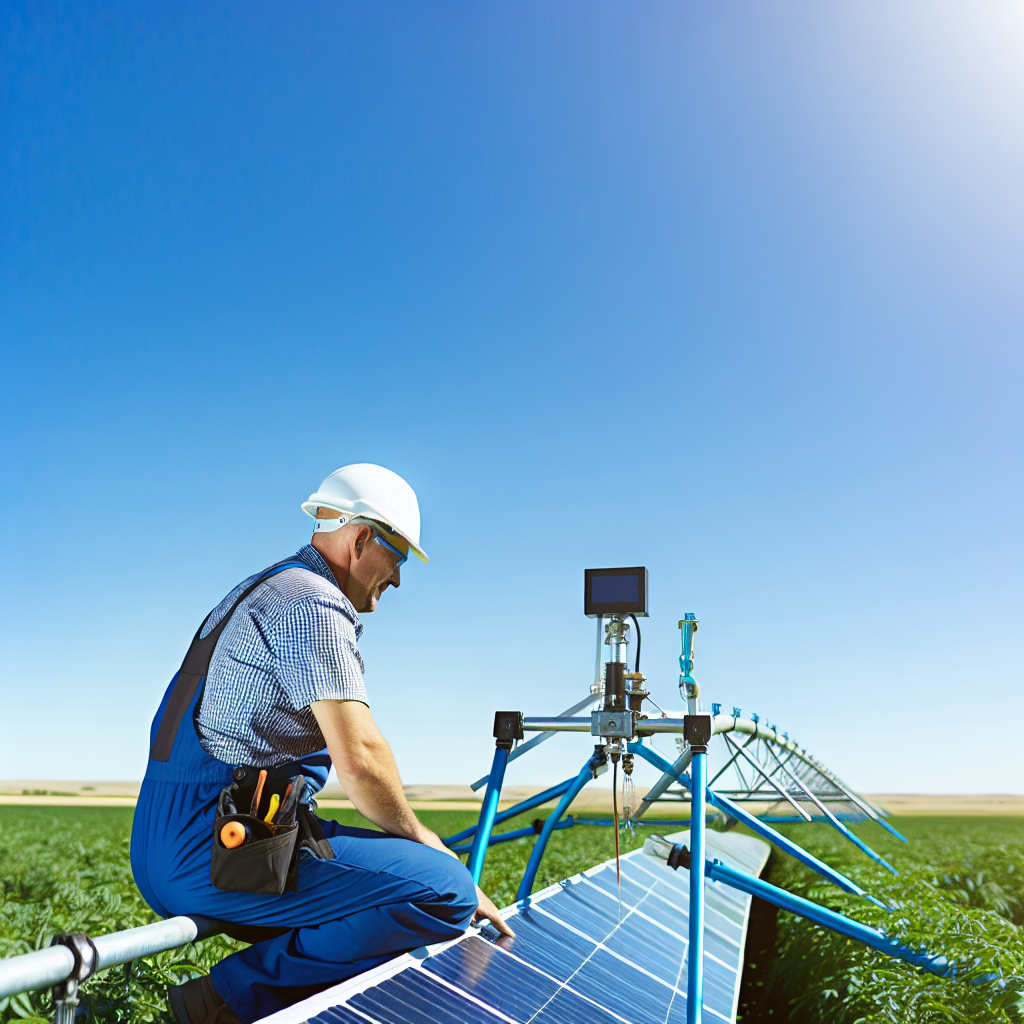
(960, 892)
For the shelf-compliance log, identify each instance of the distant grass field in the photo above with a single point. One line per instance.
(67, 869)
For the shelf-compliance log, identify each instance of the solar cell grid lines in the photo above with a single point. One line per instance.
(580, 955)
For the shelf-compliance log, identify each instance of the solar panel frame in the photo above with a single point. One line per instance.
(571, 936)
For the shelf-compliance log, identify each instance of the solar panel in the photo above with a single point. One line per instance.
(580, 955)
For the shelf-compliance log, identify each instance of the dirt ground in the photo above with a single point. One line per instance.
(594, 799)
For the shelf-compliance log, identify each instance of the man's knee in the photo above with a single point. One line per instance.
(457, 901)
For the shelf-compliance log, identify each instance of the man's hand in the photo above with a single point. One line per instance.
(367, 771)
(488, 910)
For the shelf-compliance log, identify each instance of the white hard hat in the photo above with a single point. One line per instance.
(369, 492)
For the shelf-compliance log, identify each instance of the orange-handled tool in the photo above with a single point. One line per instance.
(232, 834)
(259, 792)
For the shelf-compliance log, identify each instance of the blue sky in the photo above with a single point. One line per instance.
(731, 290)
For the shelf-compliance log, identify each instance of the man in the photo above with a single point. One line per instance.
(274, 680)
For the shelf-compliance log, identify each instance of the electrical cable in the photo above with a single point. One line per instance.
(636, 668)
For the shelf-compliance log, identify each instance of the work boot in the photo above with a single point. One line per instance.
(198, 1002)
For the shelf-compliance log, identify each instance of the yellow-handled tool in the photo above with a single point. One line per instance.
(275, 802)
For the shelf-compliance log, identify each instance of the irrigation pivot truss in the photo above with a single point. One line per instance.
(671, 897)
(761, 777)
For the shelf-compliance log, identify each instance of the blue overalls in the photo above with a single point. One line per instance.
(378, 895)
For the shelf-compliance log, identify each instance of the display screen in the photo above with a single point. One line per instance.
(619, 591)
(614, 589)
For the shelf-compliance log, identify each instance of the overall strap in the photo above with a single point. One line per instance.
(197, 664)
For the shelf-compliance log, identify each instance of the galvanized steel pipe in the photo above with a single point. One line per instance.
(47, 967)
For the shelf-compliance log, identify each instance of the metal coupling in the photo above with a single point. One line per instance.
(697, 732)
(679, 857)
(87, 960)
(508, 728)
(675, 855)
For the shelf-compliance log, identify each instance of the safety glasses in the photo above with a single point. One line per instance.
(378, 530)
(402, 558)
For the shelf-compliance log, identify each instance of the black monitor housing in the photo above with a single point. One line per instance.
(615, 591)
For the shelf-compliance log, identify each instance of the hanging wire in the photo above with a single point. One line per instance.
(636, 625)
(615, 812)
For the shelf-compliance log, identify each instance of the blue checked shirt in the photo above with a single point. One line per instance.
(292, 641)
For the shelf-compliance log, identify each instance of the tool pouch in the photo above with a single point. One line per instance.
(267, 863)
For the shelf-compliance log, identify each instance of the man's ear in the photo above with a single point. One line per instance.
(361, 538)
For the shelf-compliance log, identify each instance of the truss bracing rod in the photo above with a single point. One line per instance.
(868, 808)
(764, 775)
(789, 757)
(658, 790)
(856, 840)
(721, 771)
(585, 775)
(755, 825)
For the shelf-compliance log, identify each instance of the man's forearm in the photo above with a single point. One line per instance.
(378, 797)
(367, 770)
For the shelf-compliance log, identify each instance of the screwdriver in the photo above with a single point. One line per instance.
(292, 796)
(259, 792)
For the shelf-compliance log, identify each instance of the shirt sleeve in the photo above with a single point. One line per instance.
(317, 654)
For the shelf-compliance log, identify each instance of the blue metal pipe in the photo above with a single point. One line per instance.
(526, 885)
(881, 821)
(511, 812)
(656, 823)
(857, 841)
(873, 937)
(523, 748)
(487, 814)
(520, 833)
(832, 819)
(755, 824)
(695, 962)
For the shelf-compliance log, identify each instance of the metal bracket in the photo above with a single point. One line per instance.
(612, 724)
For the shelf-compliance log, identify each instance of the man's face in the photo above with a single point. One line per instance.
(371, 572)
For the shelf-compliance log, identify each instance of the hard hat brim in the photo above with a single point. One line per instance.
(310, 507)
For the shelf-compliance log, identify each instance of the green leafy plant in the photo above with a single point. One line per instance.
(959, 894)
(67, 870)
